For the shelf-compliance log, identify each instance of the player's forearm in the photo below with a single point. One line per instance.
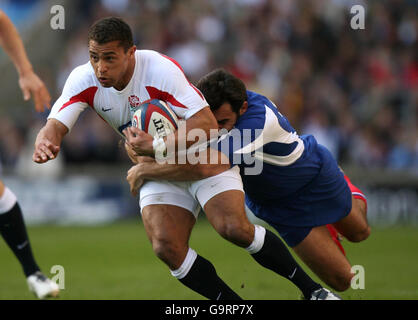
(180, 172)
(48, 141)
(13, 45)
(173, 172)
(191, 166)
(196, 129)
(54, 131)
(149, 169)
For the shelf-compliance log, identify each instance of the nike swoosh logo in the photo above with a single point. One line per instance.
(106, 110)
(21, 246)
(293, 274)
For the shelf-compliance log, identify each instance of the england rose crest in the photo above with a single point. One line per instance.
(134, 101)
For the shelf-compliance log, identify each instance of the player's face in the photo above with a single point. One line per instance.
(112, 65)
(226, 117)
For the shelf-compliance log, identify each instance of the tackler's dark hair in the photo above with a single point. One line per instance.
(220, 87)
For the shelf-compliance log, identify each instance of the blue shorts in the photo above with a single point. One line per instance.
(324, 200)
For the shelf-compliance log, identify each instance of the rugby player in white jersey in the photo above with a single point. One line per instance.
(114, 82)
(12, 225)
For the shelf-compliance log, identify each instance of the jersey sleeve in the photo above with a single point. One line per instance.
(174, 88)
(78, 93)
(263, 135)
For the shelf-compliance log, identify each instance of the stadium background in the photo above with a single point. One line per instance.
(355, 90)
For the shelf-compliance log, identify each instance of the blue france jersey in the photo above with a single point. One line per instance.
(275, 162)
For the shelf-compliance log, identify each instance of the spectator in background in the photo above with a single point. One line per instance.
(301, 54)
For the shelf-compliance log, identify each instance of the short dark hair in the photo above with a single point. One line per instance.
(111, 29)
(220, 87)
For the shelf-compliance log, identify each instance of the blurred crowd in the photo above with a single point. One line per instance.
(355, 90)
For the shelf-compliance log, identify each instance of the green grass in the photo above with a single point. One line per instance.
(116, 262)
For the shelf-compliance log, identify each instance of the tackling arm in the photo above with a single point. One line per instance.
(48, 141)
(149, 169)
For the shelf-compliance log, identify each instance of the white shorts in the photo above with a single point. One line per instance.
(190, 195)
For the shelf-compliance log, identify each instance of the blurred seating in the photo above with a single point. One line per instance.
(355, 89)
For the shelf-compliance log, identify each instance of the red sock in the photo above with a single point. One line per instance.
(334, 235)
(356, 192)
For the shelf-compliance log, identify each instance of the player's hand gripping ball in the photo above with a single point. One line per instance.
(155, 118)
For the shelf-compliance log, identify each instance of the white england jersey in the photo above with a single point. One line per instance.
(156, 76)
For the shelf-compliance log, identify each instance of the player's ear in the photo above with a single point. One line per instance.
(131, 50)
(243, 108)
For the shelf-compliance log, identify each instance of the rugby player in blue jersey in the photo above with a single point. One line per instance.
(299, 190)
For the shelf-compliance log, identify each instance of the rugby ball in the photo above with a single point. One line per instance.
(156, 118)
